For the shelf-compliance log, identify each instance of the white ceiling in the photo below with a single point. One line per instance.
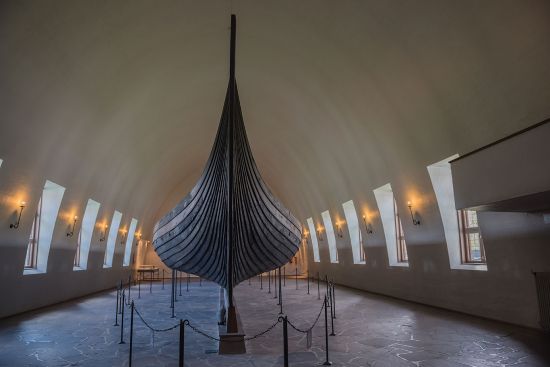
(120, 100)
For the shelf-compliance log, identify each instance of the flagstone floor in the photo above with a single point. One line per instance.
(370, 330)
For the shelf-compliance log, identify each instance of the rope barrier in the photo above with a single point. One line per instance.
(312, 326)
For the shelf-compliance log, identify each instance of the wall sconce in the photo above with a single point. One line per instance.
(368, 227)
(22, 205)
(415, 221)
(71, 233)
(320, 233)
(339, 231)
(305, 235)
(104, 233)
(123, 237)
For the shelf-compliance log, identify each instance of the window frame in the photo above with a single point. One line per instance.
(402, 254)
(31, 258)
(465, 244)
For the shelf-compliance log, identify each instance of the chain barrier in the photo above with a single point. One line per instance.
(312, 326)
(152, 328)
(198, 331)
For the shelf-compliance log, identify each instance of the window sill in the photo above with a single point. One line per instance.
(360, 263)
(78, 268)
(400, 265)
(105, 266)
(478, 267)
(32, 271)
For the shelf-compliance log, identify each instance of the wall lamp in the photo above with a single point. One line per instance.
(320, 233)
(71, 233)
(305, 235)
(415, 221)
(368, 226)
(104, 233)
(123, 237)
(22, 205)
(339, 231)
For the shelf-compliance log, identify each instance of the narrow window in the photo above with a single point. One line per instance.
(129, 241)
(329, 230)
(32, 247)
(354, 232)
(43, 226)
(472, 250)
(393, 230)
(455, 222)
(314, 243)
(76, 263)
(85, 235)
(400, 237)
(111, 240)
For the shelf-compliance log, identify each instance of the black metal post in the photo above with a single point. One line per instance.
(269, 282)
(129, 286)
(175, 285)
(307, 274)
(333, 299)
(280, 293)
(326, 283)
(318, 287)
(327, 362)
(131, 335)
(182, 343)
(275, 285)
(162, 278)
(200, 281)
(116, 309)
(122, 322)
(261, 282)
(151, 283)
(284, 276)
(296, 277)
(139, 286)
(120, 300)
(285, 340)
(180, 282)
(173, 294)
(188, 278)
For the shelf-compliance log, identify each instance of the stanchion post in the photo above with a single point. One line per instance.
(139, 286)
(284, 276)
(261, 282)
(151, 282)
(200, 282)
(129, 286)
(307, 274)
(180, 283)
(275, 284)
(162, 278)
(331, 312)
(327, 361)
(285, 339)
(182, 343)
(131, 335)
(318, 287)
(269, 282)
(116, 309)
(333, 299)
(122, 321)
(280, 293)
(296, 277)
(326, 283)
(120, 297)
(188, 278)
(175, 285)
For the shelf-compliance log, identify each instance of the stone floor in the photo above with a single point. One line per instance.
(371, 331)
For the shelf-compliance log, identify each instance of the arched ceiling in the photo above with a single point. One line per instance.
(120, 100)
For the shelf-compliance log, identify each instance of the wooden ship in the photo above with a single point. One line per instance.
(230, 227)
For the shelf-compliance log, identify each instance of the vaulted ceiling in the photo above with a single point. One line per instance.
(120, 100)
